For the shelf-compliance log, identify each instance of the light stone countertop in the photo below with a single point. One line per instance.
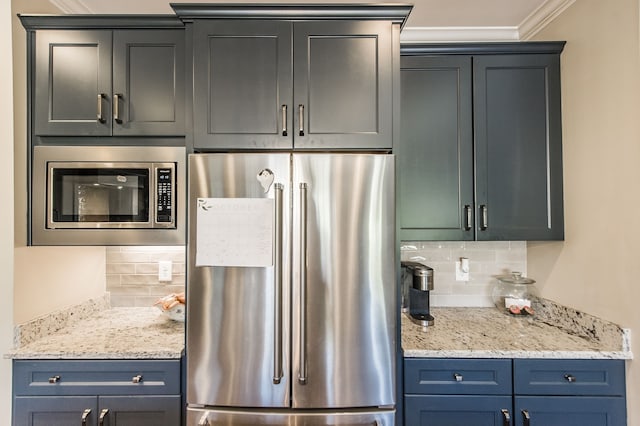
(117, 333)
(488, 333)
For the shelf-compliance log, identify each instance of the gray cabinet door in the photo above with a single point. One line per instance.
(242, 85)
(343, 85)
(148, 82)
(72, 93)
(435, 154)
(518, 147)
(141, 410)
(54, 410)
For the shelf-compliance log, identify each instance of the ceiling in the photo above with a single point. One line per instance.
(451, 20)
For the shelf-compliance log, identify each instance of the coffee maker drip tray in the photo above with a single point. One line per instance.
(425, 320)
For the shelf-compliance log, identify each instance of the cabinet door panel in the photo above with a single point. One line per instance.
(455, 410)
(148, 77)
(72, 68)
(435, 154)
(242, 72)
(571, 411)
(343, 80)
(518, 148)
(54, 410)
(142, 410)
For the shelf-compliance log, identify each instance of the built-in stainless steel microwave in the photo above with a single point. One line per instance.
(115, 195)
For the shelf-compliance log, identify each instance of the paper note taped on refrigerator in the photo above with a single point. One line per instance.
(234, 232)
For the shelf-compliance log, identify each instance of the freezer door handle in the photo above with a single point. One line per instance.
(277, 302)
(302, 376)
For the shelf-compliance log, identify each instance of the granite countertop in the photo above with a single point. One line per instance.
(116, 333)
(488, 333)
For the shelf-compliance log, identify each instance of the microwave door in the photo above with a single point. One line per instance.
(88, 196)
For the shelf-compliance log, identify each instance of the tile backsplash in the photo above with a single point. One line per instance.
(132, 274)
(486, 260)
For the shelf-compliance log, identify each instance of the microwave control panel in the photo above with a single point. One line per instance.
(164, 195)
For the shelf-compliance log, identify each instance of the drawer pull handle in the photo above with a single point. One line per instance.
(526, 418)
(458, 377)
(54, 379)
(137, 379)
(85, 416)
(103, 414)
(506, 417)
(570, 378)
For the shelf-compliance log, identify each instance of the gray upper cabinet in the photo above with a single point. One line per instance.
(342, 85)
(435, 155)
(242, 84)
(480, 153)
(127, 82)
(518, 147)
(294, 76)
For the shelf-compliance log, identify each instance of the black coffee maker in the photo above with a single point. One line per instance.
(417, 282)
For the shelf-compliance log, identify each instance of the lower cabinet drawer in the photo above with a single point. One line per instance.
(457, 376)
(569, 377)
(570, 411)
(457, 410)
(109, 377)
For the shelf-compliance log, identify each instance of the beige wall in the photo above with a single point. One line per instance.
(59, 276)
(596, 268)
(6, 223)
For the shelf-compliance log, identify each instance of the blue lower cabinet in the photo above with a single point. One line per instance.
(97, 393)
(457, 410)
(518, 392)
(570, 411)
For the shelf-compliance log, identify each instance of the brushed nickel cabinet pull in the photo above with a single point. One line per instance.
(458, 377)
(85, 416)
(301, 120)
(99, 115)
(137, 379)
(506, 417)
(467, 214)
(570, 378)
(284, 120)
(484, 223)
(526, 418)
(103, 415)
(116, 108)
(54, 379)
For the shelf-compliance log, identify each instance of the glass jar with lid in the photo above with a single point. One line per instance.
(514, 294)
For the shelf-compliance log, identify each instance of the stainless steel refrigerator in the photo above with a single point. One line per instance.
(291, 301)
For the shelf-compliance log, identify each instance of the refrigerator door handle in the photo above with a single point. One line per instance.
(302, 376)
(277, 302)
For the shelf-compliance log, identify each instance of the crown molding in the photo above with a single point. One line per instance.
(541, 17)
(457, 34)
(530, 26)
(72, 6)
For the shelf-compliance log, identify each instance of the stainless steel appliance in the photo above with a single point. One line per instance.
(417, 282)
(304, 332)
(93, 195)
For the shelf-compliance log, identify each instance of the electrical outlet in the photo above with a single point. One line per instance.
(462, 269)
(165, 270)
